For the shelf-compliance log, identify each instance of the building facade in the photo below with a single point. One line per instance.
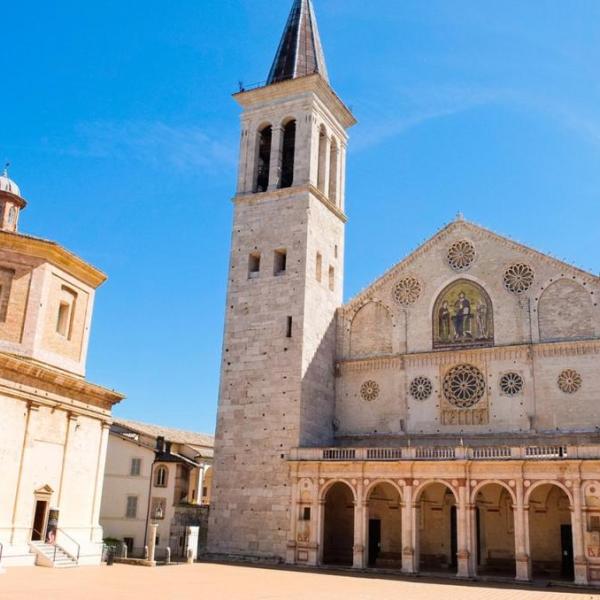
(444, 419)
(156, 475)
(54, 426)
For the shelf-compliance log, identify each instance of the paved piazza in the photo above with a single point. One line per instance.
(221, 582)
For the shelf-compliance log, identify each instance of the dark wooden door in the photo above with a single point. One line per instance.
(453, 538)
(374, 540)
(566, 543)
(38, 521)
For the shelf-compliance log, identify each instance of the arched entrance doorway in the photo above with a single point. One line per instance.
(384, 541)
(494, 531)
(338, 527)
(550, 533)
(436, 522)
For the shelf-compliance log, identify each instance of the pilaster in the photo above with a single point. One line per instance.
(408, 523)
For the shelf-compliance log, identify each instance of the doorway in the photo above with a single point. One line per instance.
(338, 528)
(566, 542)
(39, 520)
(374, 541)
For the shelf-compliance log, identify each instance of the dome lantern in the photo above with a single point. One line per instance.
(11, 202)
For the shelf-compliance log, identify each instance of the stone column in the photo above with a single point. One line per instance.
(408, 529)
(521, 517)
(276, 152)
(473, 541)
(319, 532)
(358, 561)
(242, 185)
(250, 159)
(290, 558)
(577, 522)
(463, 533)
(325, 164)
(153, 528)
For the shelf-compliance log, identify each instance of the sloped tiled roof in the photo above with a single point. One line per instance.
(178, 436)
(300, 52)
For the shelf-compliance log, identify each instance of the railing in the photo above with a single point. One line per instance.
(65, 534)
(435, 454)
(407, 453)
(339, 454)
(384, 453)
(546, 451)
(491, 453)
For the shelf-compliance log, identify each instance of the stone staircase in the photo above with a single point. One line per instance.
(49, 555)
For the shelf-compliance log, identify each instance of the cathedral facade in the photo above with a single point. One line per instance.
(445, 419)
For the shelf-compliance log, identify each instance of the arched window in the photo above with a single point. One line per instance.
(463, 316)
(322, 159)
(161, 477)
(288, 155)
(333, 172)
(263, 162)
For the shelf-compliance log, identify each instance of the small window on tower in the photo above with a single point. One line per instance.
(319, 269)
(331, 278)
(289, 327)
(279, 262)
(66, 312)
(254, 265)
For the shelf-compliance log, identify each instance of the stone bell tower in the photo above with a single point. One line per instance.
(284, 285)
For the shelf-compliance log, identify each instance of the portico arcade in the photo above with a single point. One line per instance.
(503, 519)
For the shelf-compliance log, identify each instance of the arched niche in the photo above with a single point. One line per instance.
(565, 312)
(371, 331)
(463, 316)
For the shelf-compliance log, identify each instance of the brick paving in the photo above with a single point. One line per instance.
(226, 582)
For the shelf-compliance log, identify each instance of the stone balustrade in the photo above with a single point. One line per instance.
(433, 453)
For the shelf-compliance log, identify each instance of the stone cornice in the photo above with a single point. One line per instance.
(54, 254)
(311, 83)
(446, 357)
(30, 377)
(253, 199)
(20, 202)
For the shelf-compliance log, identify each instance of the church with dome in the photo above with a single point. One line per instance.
(55, 424)
(444, 420)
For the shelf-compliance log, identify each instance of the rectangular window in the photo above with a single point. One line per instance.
(136, 467)
(319, 266)
(594, 523)
(331, 278)
(289, 327)
(335, 251)
(279, 262)
(158, 508)
(66, 312)
(253, 265)
(306, 513)
(131, 511)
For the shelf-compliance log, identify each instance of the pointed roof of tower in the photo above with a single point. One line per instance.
(300, 51)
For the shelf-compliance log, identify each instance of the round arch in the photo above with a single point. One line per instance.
(425, 484)
(553, 482)
(487, 482)
(330, 483)
(338, 515)
(373, 484)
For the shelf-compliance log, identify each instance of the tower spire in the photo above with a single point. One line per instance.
(300, 52)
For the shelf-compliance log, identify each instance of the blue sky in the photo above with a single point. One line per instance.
(119, 124)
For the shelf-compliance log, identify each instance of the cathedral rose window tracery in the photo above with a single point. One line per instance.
(570, 381)
(407, 291)
(511, 384)
(421, 388)
(464, 386)
(518, 278)
(369, 390)
(461, 255)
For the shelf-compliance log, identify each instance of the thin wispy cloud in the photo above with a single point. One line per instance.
(155, 143)
(414, 107)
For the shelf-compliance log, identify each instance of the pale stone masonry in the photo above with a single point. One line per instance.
(445, 419)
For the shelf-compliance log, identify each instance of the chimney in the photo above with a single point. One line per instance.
(160, 444)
